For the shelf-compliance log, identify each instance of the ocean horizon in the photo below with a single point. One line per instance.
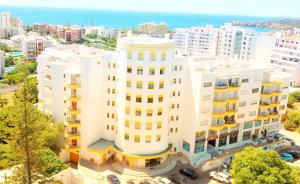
(122, 19)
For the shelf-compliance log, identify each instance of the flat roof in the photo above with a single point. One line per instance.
(101, 144)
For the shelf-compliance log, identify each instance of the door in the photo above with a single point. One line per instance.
(74, 157)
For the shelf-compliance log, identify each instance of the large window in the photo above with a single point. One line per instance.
(152, 56)
(186, 146)
(141, 56)
(246, 135)
(199, 147)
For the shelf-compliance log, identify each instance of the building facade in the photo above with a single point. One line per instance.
(143, 102)
(101, 31)
(153, 29)
(197, 41)
(2, 63)
(286, 55)
(10, 26)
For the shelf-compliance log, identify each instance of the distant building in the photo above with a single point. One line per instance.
(32, 45)
(101, 31)
(10, 26)
(2, 63)
(236, 42)
(263, 46)
(152, 28)
(197, 40)
(67, 33)
(286, 55)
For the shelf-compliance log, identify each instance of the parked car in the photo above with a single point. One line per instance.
(279, 136)
(220, 176)
(161, 180)
(294, 153)
(147, 181)
(132, 181)
(113, 179)
(286, 157)
(262, 140)
(189, 172)
(178, 179)
(291, 141)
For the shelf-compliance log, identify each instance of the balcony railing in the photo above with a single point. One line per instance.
(72, 135)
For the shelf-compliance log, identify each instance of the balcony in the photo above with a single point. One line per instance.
(271, 83)
(74, 99)
(263, 116)
(230, 124)
(72, 135)
(73, 86)
(73, 111)
(265, 95)
(73, 148)
(231, 112)
(264, 105)
(218, 114)
(276, 93)
(220, 101)
(234, 86)
(217, 127)
(233, 100)
(75, 123)
(274, 104)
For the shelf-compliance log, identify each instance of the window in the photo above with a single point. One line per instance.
(139, 70)
(138, 98)
(148, 139)
(114, 78)
(245, 80)
(128, 83)
(149, 112)
(240, 116)
(252, 113)
(160, 98)
(151, 85)
(138, 112)
(129, 55)
(112, 127)
(113, 91)
(127, 110)
(171, 130)
(158, 137)
(141, 56)
(205, 110)
(127, 123)
(151, 71)
(107, 127)
(186, 146)
(137, 138)
(137, 125)
(148, 125)
(207, 84)
(126, 136)
(242, 104)
(255, 90)
(162, 70)
(129, 69)
(163, 56)
(128, 97)
(159, 124)
(150, 99)
(206, 97)
(113, 103)
(283, 97)
(282, 107)
(139, 84)
(159, 112)
(152, 56)
(161, 84)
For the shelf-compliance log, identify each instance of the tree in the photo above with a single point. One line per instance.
(3, 101)
(29, 133)
(255, 166)
(292, 121)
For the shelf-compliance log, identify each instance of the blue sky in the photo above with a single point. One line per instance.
(288, 8)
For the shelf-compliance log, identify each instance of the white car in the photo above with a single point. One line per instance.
(162, 180)
(220, 176)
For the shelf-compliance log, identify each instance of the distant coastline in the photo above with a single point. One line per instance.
(119, 19)
(276, 24)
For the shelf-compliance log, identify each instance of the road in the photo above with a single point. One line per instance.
(9, 89)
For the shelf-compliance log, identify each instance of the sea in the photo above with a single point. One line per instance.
(122, 19)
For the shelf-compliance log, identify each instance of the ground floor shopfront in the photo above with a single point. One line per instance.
(103, 150)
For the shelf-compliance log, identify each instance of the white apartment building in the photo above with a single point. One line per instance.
(10, 26)
(32, 45)
(143, 102)
(197, 40)
(236, 42)
(286, 55)
(101, 31)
